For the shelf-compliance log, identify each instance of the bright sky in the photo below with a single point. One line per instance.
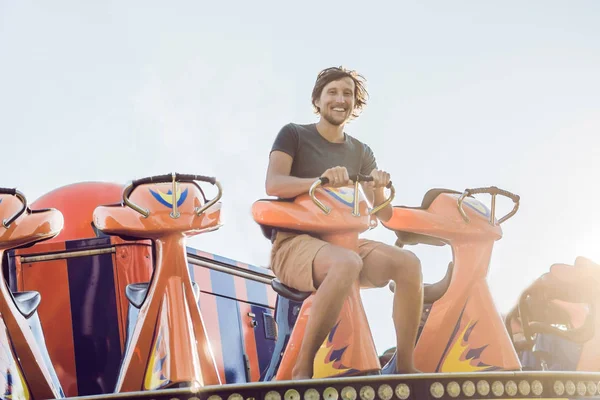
(463, 94)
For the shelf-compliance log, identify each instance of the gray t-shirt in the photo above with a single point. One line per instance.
(313, 154)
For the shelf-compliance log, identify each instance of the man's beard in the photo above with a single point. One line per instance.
(329, 118)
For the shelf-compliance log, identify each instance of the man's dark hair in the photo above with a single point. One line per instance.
(334, 74)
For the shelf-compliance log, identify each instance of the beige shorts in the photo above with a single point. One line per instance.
(292, 257)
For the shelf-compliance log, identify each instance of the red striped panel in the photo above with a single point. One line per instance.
(229, 261)
(242, 265)
(271, 295)
(201, 253)
(241, 292)
(201, 276)
(247, 329)
(132, 263)
(51, 279)
(208, 308)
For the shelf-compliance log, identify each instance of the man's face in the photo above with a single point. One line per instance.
(337, 101)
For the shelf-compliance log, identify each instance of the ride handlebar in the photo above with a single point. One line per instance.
(493, 191)
(8, 191)
(519, 345)
(169, 177)
(174, 178)
(530, 327)
(14, 192)
(357, 179)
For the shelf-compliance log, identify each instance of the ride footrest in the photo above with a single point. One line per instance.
(136, 292)
(27, 302)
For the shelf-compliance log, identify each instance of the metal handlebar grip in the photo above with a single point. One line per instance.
(8, 191)
(172, 178)
(493, 190)
(14, 192)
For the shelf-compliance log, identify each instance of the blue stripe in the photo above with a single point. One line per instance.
(228, 261)
(336, 195)
(95, 322)
(231, 340)
(222, 284)
(264, 347)
(260, 270)
(234, 263)
(191, 271)
(165, 203)
(257, 292)
(224, 260)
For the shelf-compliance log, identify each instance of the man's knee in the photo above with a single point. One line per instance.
(342, 265)
(408, 269)
(347, 266)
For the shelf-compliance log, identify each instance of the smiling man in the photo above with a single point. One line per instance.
(300, 155)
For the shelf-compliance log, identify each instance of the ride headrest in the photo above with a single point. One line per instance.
(20, 226)
(155, 209)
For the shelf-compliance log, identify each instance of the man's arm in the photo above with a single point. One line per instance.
(375, 190)
(279, 183)
(376, 195)
(385, 214)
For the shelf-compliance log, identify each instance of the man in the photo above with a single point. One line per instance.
(300, 155)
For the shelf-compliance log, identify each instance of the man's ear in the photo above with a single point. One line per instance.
(317, 104)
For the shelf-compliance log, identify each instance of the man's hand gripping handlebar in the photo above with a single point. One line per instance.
(357, 179)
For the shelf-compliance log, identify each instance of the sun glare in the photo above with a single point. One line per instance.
(588, 247)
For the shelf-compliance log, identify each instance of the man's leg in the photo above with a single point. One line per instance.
(335, 269)
(385, 263)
